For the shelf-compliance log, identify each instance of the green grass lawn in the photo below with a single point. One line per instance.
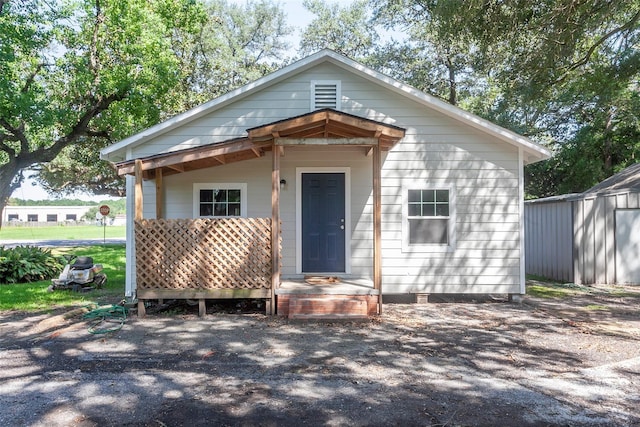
(34, 296)
(62, 232)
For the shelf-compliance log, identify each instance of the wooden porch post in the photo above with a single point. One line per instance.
(159, 194)
(275, 227)
(137, 207)
(377, 226)
(138, 190)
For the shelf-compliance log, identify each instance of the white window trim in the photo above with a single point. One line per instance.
(338, 85)
(347, 213)
(220, 186)
(428, 247)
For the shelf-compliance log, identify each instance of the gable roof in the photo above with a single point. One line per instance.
(532, 151)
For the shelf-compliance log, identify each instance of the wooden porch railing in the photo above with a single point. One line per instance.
(203, 258)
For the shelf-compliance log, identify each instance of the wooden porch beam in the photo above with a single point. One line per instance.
(137, 199)
(377, 225)
(322, 118)
(367, 142)
(275, 227)
(177, 159)
(178, 168)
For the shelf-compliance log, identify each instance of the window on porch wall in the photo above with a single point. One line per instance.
(220, 200)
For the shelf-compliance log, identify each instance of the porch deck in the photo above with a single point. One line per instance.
(348, 299)
(204, 259)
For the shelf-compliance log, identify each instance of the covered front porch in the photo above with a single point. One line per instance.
(241, 257)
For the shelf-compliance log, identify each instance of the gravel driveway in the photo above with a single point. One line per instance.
(572, 361)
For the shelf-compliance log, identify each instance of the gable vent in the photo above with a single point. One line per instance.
(325, 94)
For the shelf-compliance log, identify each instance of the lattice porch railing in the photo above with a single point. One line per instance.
(203, 254)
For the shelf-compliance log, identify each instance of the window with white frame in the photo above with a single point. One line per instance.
(429, 218)
(220, 200)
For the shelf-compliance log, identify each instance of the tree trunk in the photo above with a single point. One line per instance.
(453, 92)
(10, 179)
(607, 149)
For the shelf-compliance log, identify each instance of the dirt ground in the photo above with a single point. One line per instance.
(571, 361)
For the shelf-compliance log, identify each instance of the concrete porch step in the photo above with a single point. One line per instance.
(327, 307)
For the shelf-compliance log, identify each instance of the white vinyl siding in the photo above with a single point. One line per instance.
(437, 152)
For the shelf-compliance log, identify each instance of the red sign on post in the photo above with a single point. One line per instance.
(104, 210)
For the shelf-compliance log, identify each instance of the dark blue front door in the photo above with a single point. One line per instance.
(323, 226)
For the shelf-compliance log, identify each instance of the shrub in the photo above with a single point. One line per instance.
(27, 264)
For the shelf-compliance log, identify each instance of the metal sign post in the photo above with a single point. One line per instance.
(104, 211)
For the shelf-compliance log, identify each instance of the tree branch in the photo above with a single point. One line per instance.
(18, 134)
(10, 151)
(31, 78)
(94, 64)
(47, 154)
(587, 56)
(98, 134)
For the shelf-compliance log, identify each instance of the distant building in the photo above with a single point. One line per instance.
(49, 214)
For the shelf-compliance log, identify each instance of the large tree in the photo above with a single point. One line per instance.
(564, 72)
(96, 71)
(347, 30)
(78, 74)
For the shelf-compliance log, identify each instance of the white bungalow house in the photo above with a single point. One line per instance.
(324, 178)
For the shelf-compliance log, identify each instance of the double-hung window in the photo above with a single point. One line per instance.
(220, 200)
(429, 219)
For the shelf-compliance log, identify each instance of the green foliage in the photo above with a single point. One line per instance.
(229, 45)
(34, 296)
(58, 202)
(546, 292)
(165, 57)
(27, 264)
(78, 75)
(347, 30)
(562, 72)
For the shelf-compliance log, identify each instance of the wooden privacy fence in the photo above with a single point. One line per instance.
(205, 257)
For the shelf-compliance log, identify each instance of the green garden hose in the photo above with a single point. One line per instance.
(109, 315)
